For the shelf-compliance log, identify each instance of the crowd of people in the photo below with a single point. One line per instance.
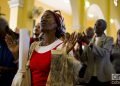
(58, 58)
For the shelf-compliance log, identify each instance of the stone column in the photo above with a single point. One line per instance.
(16, 7)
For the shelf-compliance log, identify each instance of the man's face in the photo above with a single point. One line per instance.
(98, 28)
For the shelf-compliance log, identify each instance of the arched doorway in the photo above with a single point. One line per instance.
(93, 13)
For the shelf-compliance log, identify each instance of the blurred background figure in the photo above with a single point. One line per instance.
(115, 54)
(37, 35)
(89, 33)
(67, 35)
(17, 30)
(9, 50)
(87, 36)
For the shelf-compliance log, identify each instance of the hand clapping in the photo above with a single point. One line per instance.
(68, 45)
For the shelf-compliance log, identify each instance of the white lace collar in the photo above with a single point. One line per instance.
(43, 49)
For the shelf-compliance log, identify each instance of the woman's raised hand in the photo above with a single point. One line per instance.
(69, 44)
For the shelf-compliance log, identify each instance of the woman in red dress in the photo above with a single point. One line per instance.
(53, 28)
(41, 61)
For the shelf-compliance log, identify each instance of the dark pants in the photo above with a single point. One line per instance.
(95, 82)
(6, 78)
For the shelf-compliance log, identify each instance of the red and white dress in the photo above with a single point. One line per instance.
(40, 63)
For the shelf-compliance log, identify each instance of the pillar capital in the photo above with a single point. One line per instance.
(15, 3)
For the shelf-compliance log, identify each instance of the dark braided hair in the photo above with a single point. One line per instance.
(60, 30)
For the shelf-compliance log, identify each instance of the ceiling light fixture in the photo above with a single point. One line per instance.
(87, 4)
(111, 21)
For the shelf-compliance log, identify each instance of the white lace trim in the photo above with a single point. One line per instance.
(43, 49)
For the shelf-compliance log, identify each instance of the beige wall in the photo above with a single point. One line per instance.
(5, 8)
